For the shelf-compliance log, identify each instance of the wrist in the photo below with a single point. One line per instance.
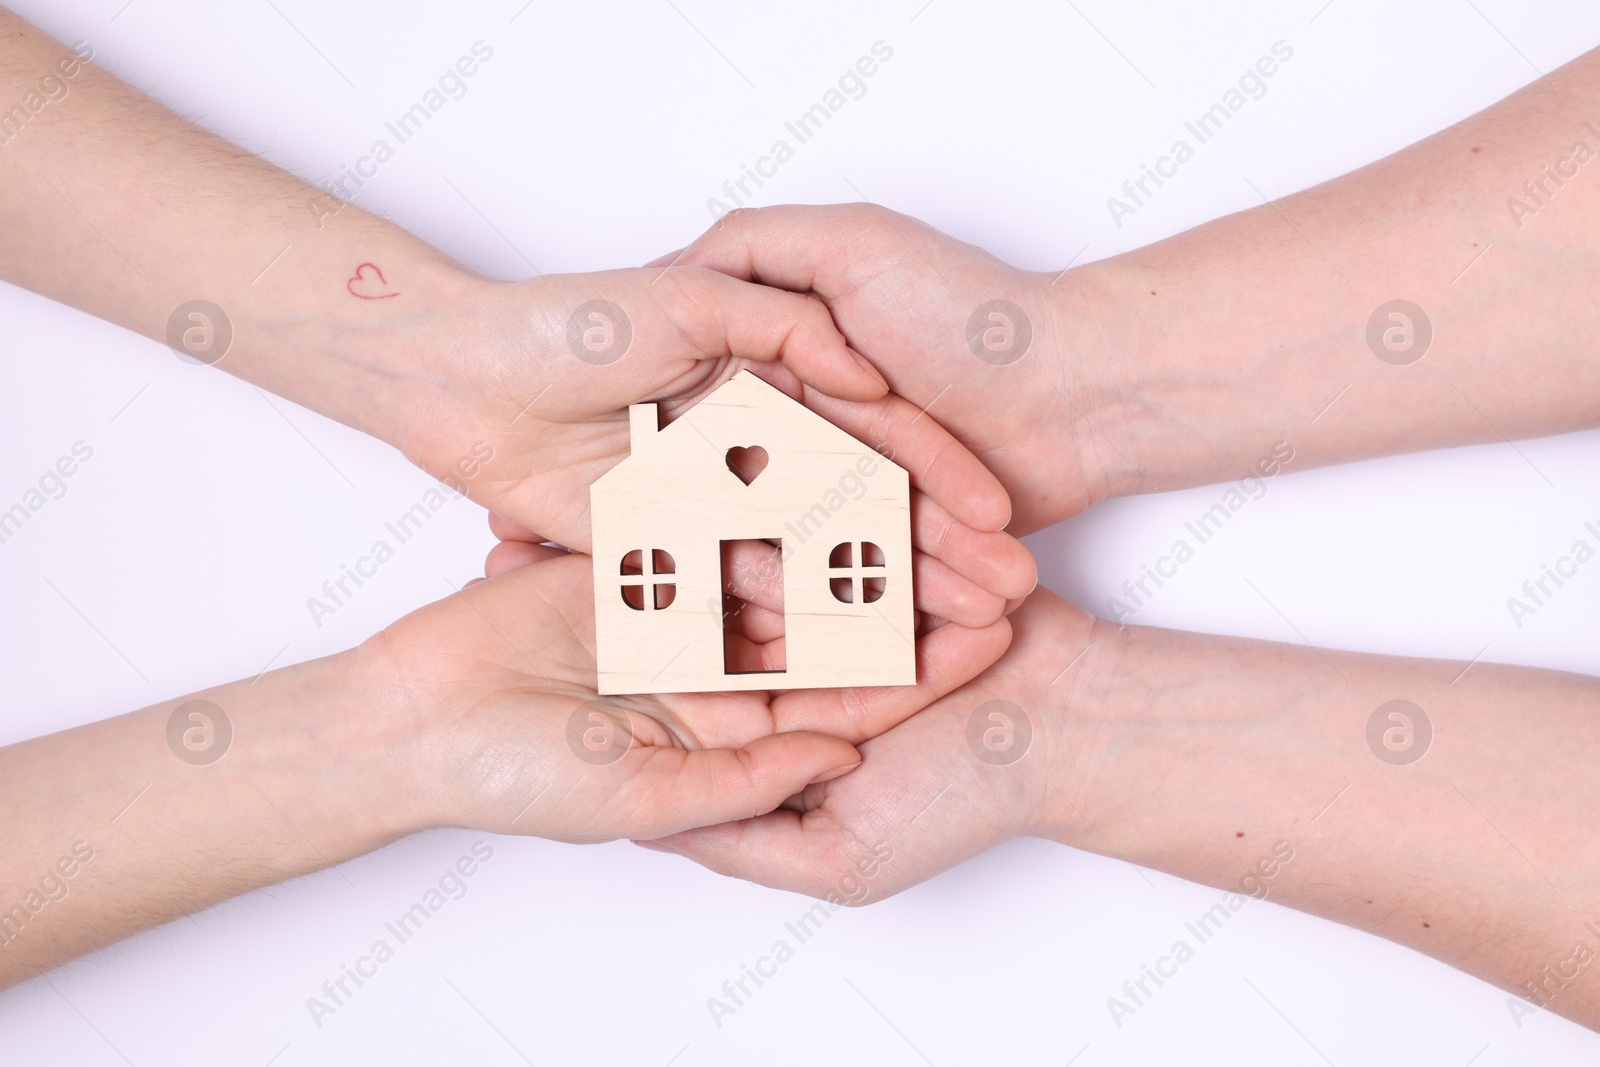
(1088, 375)
(352, 317)
(1053, 672)
(1209, 367)
(387, 366)
(317, 744)
(1091, 739)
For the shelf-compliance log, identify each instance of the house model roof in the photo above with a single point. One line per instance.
(744, 402)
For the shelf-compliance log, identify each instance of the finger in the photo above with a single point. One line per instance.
(802, 248)
(754, 623)
(812, 852)
(753, 572)
(753, 602)
(512, 555)
(671, 790)
(725, 316)
(939, 465)
(947, 659)
(741, 655)
(506, 530)
(775, 375)
(784, 849)
(944, 593)
(992, 560)
(890, 834)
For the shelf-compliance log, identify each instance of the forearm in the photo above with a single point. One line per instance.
(120, 825)
(115, 205)
(1209, 757)
(1253, 329)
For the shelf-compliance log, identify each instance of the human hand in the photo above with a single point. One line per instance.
(512, 392)
(1215, 759)
(523, 405)
(478, 711)
(489, 697)
(916, 303)
(942, 786)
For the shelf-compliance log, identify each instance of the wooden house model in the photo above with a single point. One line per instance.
(837, 511)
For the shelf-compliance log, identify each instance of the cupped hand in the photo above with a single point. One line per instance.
(487, 699)
(994, 353)
(524, 388)
(987, 762)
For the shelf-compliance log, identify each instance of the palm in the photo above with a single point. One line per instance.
(498, 690)
(533, 415)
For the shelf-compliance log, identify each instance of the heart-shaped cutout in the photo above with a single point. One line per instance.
(747, 463)
(369, 283)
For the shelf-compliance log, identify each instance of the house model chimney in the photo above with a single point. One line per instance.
(644, 422)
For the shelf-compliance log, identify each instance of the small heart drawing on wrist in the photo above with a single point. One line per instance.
(369, 283)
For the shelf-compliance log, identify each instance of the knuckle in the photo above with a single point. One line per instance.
(812, 307)
(857, 707)
(940, 531)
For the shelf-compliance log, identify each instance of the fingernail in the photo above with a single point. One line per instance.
(837, 772)
(867, 366)
(656, 846)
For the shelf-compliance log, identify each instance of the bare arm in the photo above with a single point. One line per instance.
(1185, 362)
(120, 825)
(118, 207)
(1453, 825)
(1279, 322)
(1431, 803)
(513, 393)
(478, 710)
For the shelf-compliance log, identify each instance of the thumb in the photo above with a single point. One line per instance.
(758, 323)
(672, 790)
(802, 248)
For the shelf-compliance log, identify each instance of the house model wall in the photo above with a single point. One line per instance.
(840, 511)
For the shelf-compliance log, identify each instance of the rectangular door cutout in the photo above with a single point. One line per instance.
(752, 629)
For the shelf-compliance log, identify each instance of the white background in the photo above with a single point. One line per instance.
(184, 552)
